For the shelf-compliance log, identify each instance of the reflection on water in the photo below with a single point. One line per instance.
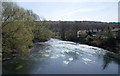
(63, 57)
(107, 59)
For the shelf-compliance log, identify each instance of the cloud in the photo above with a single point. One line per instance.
(80, 10)
(83, 10)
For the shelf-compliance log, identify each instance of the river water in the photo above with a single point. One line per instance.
(63, 57)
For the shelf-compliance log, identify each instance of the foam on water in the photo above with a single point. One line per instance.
(71, 50)
(67, 46)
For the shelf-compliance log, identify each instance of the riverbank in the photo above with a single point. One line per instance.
(112, 45)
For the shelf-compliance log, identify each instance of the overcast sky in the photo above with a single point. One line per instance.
(75, 11)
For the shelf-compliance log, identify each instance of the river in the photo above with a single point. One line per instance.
(63, 57)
